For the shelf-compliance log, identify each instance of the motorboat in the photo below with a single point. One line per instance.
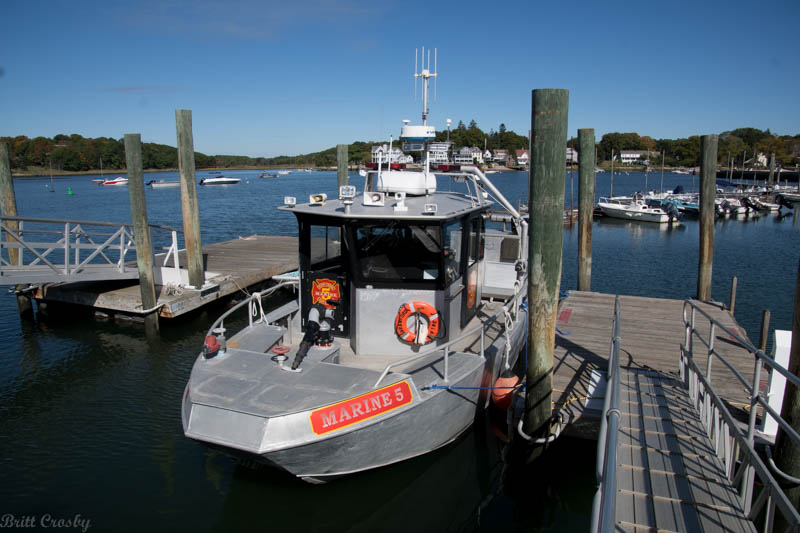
(163, 184)
(116, 181)
(408, 308)
(221, 180)
(636, 209)
(284, 172)
(268, 175)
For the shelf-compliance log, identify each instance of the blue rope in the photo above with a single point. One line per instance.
(450, 387)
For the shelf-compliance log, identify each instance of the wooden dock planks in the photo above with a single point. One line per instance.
(652, 331)
(230, 265)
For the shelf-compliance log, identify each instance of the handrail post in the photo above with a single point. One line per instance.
(710, 352)
(447, 365)
(66, 249)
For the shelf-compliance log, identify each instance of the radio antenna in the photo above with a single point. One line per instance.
(425, 73)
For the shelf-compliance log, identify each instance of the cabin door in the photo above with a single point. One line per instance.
(323, 276)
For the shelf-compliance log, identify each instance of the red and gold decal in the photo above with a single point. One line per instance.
(349, 412)
(324, 289)
(472, 288)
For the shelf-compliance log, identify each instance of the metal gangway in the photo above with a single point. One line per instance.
(671, 457)
(43, 250)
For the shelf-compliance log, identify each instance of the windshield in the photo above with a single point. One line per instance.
(395, 252)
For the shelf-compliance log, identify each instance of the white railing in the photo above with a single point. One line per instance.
(733, 447)
(65, 250)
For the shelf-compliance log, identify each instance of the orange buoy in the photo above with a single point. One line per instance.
(504, 389)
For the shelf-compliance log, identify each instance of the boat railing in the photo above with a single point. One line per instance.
(510, 307)
(733, 447)
(604, 504)
(256, 314)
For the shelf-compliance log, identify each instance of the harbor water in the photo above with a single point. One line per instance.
(90, 428)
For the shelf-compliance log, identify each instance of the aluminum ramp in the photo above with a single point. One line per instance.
(669, 477)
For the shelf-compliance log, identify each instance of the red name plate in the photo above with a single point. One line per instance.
(349, 412)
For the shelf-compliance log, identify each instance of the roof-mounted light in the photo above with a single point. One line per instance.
(347, 192)
(430, 209)
(289, 201)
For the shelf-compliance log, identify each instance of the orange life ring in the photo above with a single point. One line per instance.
(408, 310)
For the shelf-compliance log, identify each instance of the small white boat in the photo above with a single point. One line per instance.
(284, 172)
(116, 181)
(222, 180)
(163, 184)
(634, 210)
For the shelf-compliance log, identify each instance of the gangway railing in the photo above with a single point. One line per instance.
(733, 447)
(43, 250)
(604, 504)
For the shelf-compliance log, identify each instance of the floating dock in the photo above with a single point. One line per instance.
(230, 266)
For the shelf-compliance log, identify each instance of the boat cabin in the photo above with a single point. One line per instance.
(381, 259)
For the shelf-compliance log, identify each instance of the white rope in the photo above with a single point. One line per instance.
(509, 325)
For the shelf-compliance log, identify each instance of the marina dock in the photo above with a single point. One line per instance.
(230, 266)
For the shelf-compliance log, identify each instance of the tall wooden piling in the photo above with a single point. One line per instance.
(586, 179)
(732, 304)
(141, 230)
(8, 208)
(771, 169)
(764, 335)
(546, 200)
(787, 452)
(189, 207)
(708, 181)
(341, 164)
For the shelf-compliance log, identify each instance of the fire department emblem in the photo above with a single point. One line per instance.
(324, 289)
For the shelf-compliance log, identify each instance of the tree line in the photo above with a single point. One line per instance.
(736, 145)
(76, 153)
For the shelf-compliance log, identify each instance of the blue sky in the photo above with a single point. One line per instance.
(265, 78)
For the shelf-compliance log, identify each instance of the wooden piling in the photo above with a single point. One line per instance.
(732, 306)
(764, 336)
(141, 230)
(8, 208)
(787, 452)
(708, 181)
(189, 206)
(771, 169)
(586, 179)
(341, 164)
(546, 200)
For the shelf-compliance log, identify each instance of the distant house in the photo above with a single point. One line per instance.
(629, 157)
(523, 157)
(572, 155)
(381, 153)
(500, 156)
(439, 152)
(487, 156)
(759, 160)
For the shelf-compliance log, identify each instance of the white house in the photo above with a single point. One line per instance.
(636, 156)
(381, 152)
(487, 156)
(439, 152)
(523, 157)
(501, 155)
(572, 155)
(463, 156)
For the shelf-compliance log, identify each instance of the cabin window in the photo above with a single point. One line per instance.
(325, 245)
(397, 252)
(452, 251)
(475, 240)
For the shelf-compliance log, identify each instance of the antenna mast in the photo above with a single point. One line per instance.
(424, 73)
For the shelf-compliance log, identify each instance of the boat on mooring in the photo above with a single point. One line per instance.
(222, 180)
(638, 210)
(116, 181)
(163, 184)
(408, 310)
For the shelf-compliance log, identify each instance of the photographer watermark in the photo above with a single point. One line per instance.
(45, 521)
